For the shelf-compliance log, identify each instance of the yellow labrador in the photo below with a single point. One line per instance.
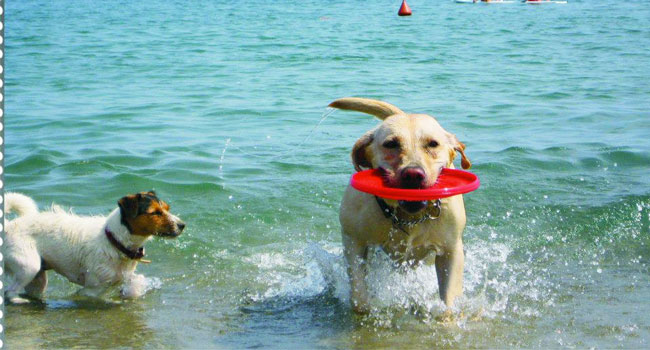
(410, 150)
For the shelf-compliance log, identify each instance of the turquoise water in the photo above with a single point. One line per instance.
(214, 105)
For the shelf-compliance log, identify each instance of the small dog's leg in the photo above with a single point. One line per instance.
(449, 268)
(22, 270)
(37, 286)
(356, 258)
(92, 291)
(134, 287)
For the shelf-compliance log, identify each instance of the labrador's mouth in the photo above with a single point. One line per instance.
(413, 207)
(387, 177)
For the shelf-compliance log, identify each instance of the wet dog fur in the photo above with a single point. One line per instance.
(77, 247)
(410, 150)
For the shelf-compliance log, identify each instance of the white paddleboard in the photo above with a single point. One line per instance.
(545, 2)
(485, 2)
(510, 2)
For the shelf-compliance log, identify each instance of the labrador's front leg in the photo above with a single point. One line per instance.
(355, 254)
(449, 268)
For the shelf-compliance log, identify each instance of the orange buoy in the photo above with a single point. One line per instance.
(404, 10)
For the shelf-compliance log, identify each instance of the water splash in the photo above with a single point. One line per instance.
(328, 111)
(494, 286)
(291, 153)
(139, 285)
(223, 155)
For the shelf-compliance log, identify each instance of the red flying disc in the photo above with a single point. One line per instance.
(450, 182)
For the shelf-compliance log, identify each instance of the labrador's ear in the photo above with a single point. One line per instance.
(460, 147)
(361, 153)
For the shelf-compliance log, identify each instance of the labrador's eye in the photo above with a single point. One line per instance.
(391, 144)
(157, 213)
(433, 144)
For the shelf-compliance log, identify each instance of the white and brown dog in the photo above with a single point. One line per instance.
(95, 252)
(410, 150)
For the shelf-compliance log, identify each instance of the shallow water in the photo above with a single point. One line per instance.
(213, 104)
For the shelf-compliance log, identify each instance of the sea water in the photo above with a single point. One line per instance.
(214, 105)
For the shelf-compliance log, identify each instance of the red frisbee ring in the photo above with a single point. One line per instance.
(450, 182)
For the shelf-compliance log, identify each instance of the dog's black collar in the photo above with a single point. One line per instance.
(132, 254)
(389, 213)
(385, 208)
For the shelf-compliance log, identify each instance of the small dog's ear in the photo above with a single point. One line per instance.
(460, 147)
(360, 153)
(129, 206)
(152, 193)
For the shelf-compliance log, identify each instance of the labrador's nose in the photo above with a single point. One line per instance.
(413, 177)
(181, 225)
